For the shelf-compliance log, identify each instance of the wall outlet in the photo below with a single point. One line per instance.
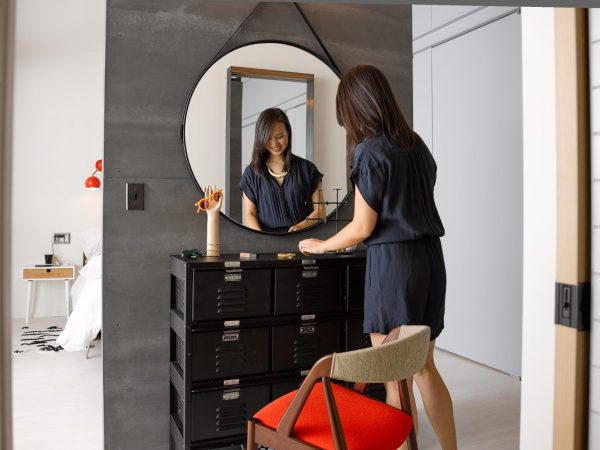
(62, 238)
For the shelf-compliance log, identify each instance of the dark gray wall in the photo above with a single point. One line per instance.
(155, 52)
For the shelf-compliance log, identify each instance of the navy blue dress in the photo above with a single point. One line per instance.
(405, 280)
(280, 207)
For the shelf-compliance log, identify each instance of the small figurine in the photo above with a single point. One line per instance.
(211, 204)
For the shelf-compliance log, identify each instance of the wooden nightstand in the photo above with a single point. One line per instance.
(31, 274)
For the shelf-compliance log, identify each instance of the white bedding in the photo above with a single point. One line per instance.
(85, 322)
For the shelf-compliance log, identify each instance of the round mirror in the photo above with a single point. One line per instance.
(219, 134)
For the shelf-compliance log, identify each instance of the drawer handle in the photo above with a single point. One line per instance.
(310, 274)
(231, 395)
(308, 329)
(233, 277)
(230, 337)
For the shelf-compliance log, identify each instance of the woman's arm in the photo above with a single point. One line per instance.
(250, 213)
(318, 212)
(358, 230)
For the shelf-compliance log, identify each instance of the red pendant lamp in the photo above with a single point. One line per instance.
(93, 182)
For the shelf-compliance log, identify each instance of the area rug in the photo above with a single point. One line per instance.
(38, 340)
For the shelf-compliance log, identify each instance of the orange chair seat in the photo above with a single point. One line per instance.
(368, 424)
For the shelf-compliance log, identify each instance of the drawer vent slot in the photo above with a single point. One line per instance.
(180, 352)
(180, 294)
(231, 417)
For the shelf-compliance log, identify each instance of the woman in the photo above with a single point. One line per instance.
(280, 190)
(395, 215)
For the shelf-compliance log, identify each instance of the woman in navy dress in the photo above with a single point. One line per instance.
(280, 190)
(394, 174)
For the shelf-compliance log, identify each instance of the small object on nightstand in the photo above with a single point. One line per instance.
(246, 255)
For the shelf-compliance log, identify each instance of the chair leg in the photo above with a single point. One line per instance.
(407, 408)
(250, 442)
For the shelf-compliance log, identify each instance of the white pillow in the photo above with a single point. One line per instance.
(93, 269)
(91, 241)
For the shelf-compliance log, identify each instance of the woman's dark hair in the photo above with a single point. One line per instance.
(267, 119)
(365, 106)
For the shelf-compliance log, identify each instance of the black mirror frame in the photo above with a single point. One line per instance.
(185, 152)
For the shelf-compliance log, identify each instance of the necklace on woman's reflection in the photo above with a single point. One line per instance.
(277, 175)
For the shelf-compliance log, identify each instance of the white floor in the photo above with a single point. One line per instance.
(57, 397)
(486, 406)
(57, 400)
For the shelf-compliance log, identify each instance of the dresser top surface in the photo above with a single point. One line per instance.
(268, 259)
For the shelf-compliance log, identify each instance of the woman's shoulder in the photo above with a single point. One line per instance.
(302, 163)
(373, 149)
(248, 172)
(249, 176)
(299, 159)
(376, 143)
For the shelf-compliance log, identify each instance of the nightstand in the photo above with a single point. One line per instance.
(31, 274)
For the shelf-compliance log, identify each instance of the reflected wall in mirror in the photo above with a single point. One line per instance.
(251, 91)
(220, 119)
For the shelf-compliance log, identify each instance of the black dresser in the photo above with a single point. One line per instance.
(244, 332)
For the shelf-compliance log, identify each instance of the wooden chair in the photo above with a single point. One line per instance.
(325, 415)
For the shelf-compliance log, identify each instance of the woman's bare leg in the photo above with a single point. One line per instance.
(437, 402)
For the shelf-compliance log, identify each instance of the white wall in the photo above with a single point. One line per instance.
(58, 128)
(467, 107)
(539, 206)
(594, 424)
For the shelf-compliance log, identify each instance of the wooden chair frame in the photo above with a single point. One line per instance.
(282, 438)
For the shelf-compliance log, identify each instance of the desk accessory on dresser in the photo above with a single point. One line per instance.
(193, 253)
(285, 255)
(337, 204)
(211, 204)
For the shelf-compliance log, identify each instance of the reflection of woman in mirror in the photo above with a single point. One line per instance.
(280, 190)
(394, 174)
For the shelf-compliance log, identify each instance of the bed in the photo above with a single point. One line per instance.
(85, 322)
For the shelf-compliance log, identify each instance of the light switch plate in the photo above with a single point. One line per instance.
(134, 196)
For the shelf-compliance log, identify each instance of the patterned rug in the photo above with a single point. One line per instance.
(38, 340)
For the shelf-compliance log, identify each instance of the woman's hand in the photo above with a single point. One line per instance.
(215, 199)
(312, 247)
(299, 226)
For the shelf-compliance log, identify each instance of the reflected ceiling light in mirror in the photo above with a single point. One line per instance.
(93, 182)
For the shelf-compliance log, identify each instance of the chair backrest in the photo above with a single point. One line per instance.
(391, 361)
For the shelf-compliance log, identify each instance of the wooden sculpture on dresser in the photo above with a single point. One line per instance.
(211, 204)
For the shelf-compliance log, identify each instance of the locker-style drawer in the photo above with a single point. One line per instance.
(284, 387)
(223, 413)
(300, 346)
(308, 289)
(355, 338)
(230, 353)
(356, 287)
(231, 294)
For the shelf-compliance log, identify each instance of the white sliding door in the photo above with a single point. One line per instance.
(477, 143)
